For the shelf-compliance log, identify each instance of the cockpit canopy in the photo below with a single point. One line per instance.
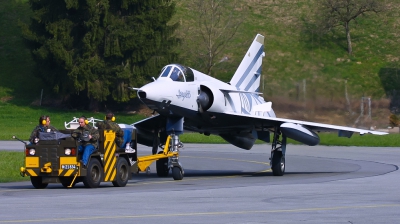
(178, 73)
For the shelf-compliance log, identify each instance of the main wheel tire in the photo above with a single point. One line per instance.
(162, 167)
(38, 183)
(155, 143)
(122, 173)
(278, 163)
(66, 181)
(177, 173)
(94, 174)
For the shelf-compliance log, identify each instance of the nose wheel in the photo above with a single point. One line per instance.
(168, 159)
(177, 173)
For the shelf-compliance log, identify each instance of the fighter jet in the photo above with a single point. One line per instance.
(186, 99)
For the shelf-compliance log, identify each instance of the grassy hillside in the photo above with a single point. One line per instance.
(298, 59)
(293, 53)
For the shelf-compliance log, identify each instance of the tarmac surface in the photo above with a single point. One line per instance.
(224, 184)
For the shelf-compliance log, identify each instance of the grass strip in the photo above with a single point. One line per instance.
(10, 164)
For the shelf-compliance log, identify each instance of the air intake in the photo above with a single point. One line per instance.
(142, 94)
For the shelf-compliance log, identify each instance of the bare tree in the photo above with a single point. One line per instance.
(335, 13)
(216, 23)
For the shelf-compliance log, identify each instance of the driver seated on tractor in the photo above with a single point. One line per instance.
(44, 126)
(109, 124)
(88, 137)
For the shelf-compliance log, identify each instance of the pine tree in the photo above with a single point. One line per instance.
(96, 49)
(138, 41)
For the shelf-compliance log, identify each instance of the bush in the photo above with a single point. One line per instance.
(394, 120)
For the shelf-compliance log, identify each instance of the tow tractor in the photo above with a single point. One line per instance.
(55, 159)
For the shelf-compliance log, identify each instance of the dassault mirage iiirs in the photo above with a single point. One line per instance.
(186, 99)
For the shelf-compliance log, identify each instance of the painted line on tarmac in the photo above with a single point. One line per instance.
(205, 213)
(194, 179)
(207, 178)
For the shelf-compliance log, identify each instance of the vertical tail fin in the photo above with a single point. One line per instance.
(248, 74)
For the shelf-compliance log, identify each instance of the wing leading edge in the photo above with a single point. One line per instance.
(342, 130)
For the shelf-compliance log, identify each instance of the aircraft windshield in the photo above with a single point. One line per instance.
(166, 71)
(178, 73)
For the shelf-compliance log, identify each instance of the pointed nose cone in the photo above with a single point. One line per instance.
(149, 91)
(153, 94)
(144, 91)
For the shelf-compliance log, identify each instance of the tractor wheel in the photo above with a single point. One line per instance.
(66, 181)
(37, 183)
(122, 173)
(94, 174)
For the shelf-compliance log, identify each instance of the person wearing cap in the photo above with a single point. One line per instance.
(88, 137)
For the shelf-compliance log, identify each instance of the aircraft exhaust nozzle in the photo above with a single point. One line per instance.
(300, 133)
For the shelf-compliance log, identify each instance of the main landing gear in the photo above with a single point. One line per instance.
(278, 151)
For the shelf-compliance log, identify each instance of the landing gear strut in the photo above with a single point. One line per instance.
(177, 170)
(278, 151)
(171, 163)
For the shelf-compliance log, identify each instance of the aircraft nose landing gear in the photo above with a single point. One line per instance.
(174, 164)
(166, 160)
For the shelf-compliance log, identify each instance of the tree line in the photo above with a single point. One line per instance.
(92, 51)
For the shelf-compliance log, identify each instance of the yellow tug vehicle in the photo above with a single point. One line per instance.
(55, 159)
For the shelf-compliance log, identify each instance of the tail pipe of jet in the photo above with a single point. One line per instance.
(300, 133)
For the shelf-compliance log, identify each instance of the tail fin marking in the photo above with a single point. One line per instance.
(247, 75)
(249, 69)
